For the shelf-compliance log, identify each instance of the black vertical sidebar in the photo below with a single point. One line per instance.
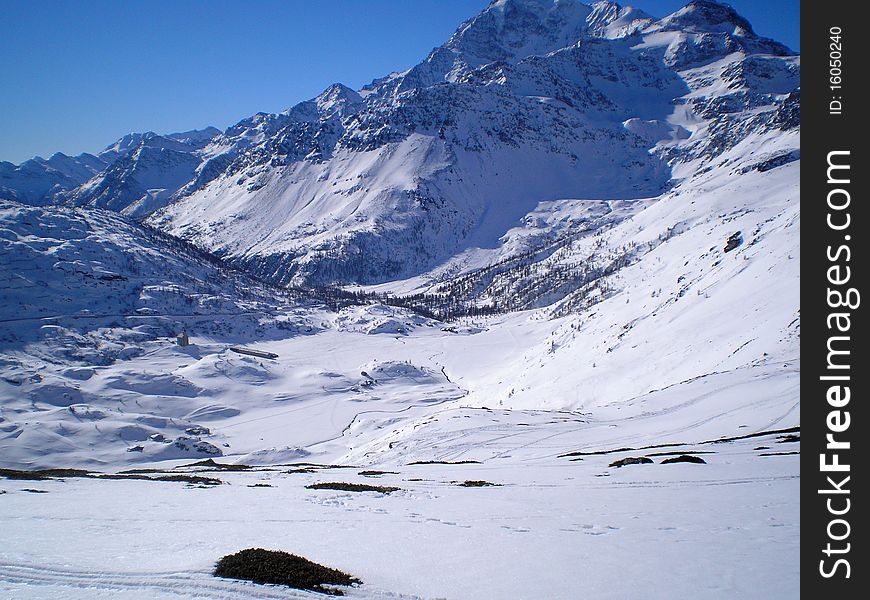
(834, 239)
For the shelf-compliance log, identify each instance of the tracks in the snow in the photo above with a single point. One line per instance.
(185, 584)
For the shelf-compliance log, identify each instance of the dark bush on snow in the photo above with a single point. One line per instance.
(631, 460)
(445, 462)
(281, 568)
(191, 479)
(42, 474)
(685, 458)
(211, 464)
(478, 483)
(352, 487)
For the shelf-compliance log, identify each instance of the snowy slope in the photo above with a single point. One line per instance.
(86, 289)
(433, 539)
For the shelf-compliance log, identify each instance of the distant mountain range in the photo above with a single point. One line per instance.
(530, 101)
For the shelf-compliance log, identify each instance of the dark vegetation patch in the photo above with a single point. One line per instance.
(141, 471)
(211, 464)
(445, 462)
(302, 470)
(64, 473)
(143, 474)
(137, 476)
(631, 460)
(191, 479)
(195, 479)
(784, 439)
(723, 440)
(762, 448)
(779, 453)
(281, 568)
(374, 473)
(22, 475)
(260, 485)
(684, 458)
(318, 466)
(618, 450)
(599, 452)
(681, 453)
(478, 483)
(352, 487)
(42, 474)
(753, 435)
(33, 491)
(46, 474)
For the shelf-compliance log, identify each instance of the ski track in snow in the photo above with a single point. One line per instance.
(196, 585)
(182, 584)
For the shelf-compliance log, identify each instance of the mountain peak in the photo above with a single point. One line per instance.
(716, 30)
(195, 137)
(509, 30)
(336, 94)
(709, 15)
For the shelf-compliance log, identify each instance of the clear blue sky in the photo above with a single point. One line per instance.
(77, 75)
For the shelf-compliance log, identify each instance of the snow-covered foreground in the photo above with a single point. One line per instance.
(556, 526)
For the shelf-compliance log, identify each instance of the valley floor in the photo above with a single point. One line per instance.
(561, 522)
(554, 528)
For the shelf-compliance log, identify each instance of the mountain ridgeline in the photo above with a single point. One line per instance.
(452, 173)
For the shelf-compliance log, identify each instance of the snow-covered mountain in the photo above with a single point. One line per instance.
(38, 181)
(531, 101)
(144, 172)
(135, 175)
